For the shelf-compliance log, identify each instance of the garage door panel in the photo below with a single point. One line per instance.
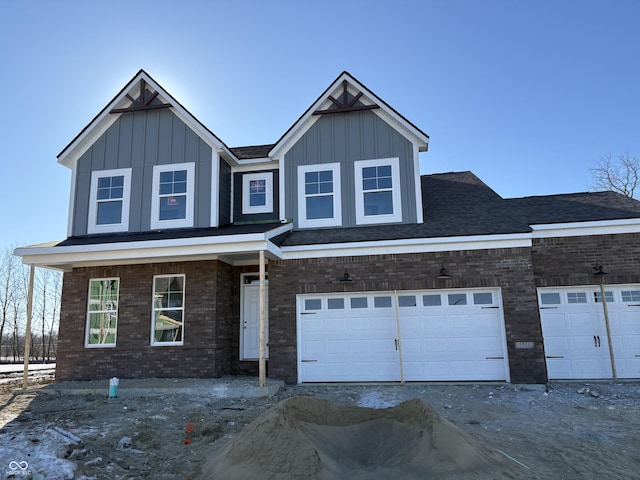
(578, 332)
(439, 341)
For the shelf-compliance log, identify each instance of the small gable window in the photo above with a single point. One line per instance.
(257, 193)
(378, 191)
(109, 207)
(173, 192)
(319, 203)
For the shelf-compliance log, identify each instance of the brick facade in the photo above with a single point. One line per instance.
(509, 269)
(212, 304)
(211, 331)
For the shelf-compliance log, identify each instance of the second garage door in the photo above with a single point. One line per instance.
(443, 335)
(575, 334)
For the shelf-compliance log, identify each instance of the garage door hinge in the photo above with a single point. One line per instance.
(547, 308)
(494, 358)
(307, 313)
(308, 361)
(491, 307)
(556, 356)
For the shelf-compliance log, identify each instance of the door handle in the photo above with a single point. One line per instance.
(595, 341)
(396, 340)
(599, 341)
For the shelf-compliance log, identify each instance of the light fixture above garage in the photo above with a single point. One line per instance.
(599, 271)
(443, 273)
(346, 278)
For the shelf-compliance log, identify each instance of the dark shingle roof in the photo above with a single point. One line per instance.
(460, 204)
(255, 151)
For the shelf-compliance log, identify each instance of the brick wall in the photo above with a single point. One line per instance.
(211, 315)
(570, 260)
(510, 269)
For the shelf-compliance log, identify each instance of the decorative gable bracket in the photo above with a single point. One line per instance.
(143, 102)
(344, 105)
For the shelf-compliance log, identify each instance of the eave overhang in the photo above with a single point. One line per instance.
(233, 249)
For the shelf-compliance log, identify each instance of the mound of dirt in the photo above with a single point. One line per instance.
(306, 437)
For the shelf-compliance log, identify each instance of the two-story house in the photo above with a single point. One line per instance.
(366, 270)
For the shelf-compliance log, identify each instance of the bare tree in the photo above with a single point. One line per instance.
(621, 174)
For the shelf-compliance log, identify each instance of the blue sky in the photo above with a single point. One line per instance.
(526, 94)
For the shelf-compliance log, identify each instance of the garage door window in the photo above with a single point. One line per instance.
(631, 295)
(457, 299)
(359, 302)
(576, 297)
(313, 304)
(335, 304)
(598, 297)
(550, 298)
(407, 301)
(482, 298)
(431, 300)
(382, 302)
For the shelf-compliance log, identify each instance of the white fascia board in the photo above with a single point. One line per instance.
(419, 245)
(418, 184)
(151, 249)
(575, 229)
(264, 164)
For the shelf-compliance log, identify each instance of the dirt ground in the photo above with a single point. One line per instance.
(567, 431)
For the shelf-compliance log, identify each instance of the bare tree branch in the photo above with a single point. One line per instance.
(621, 175)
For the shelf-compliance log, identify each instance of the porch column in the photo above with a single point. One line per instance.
(27, 335)
(262, 366)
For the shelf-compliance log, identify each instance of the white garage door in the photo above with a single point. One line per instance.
(575, 334)
(439, 334)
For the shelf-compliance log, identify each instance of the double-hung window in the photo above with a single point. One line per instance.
(172, 196)
(319, 202)
(109, 201)
(257, 193)
(102, 312)
(377, 188)
(168, 310)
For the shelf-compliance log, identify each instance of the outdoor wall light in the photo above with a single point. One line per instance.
(346, 278)
(443, 273)
(599, 271)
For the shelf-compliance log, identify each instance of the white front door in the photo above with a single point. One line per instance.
(250, 322)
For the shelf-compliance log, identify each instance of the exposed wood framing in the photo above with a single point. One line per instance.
(344, 106)
(143, 102)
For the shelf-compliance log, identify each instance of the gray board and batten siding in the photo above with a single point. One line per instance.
(347, 138)
(140, 140)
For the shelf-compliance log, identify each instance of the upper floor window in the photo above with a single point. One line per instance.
(109, 207)
(319, 202)
(257, 193)
(102, 312)
(378, 191)
(173, 196)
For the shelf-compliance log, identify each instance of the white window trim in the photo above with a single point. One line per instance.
(153, 311)
(123, 226)
(88, 324)
(336, 220)
(156, 223)
(396, 216)
(246, 180)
